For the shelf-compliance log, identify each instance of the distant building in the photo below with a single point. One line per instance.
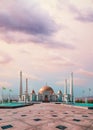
(47, 94)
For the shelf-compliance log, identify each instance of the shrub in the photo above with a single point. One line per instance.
(80, 101)
(90, 101)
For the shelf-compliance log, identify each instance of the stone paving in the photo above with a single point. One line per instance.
(46, 116)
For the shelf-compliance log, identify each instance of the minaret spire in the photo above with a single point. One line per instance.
(21, 91)
(46, 83)
(71, 87)
(65, 88)
(26, 86)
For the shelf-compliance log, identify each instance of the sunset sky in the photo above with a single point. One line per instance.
(47, 40)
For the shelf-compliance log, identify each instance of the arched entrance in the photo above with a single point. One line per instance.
(46, 98)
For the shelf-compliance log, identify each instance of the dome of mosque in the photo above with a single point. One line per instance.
(46, 88)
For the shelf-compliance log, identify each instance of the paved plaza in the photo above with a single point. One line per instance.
(46, 116)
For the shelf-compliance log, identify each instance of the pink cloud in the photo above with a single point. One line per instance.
(80, 82)
(52, 63)
(32, 77)
(76, 81)
(85, 73)
(5, 58)
(5, 84)
(60, 83)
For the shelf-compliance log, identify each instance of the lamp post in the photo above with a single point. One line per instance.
(83, 95)
(3, 88)
(10, 90)
(2, 95)
(83, 92)
(25, 96)
(89, 91)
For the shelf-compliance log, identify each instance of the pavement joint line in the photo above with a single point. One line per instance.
(74, 123)
(23, 121)
(7, 121)
(28, 123)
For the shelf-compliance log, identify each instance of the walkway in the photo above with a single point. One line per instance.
(46, 116)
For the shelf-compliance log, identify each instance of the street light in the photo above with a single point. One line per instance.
(3, 88)
(83, 92)
(10, 90)
(83, 95)
(89, 91)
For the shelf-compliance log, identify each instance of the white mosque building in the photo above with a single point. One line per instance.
(46, 93)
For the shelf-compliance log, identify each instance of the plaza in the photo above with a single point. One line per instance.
(46, 116)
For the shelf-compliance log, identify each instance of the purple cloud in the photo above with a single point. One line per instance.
(44, 41)
(85, 16)
(51, 43)
(33, 22)
(62, 45)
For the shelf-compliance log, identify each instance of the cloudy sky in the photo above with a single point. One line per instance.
(47, 40)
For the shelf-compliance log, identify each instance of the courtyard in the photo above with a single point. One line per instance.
(46, 116)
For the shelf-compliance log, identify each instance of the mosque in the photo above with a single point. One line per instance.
(46, 93)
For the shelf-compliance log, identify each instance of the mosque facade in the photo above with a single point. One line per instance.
(46, 93)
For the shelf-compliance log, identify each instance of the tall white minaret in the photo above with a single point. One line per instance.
(65, 88)
(21, 91)
(71, 87)
(26, 86)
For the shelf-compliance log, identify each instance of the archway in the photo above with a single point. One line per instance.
(46, 98)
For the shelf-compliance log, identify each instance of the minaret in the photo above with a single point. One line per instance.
(71, 87)
(21, 85)
(26, 86)
(65, 88)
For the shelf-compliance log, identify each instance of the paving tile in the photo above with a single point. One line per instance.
(49, 116)
(6, 127)
(61, 127)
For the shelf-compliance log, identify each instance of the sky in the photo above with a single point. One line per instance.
(46, 40)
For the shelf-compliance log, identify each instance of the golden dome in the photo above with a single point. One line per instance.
(46, 88)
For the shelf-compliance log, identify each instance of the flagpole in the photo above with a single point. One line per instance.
(2, 95)
(9, 96)
(10, 90)
(3, 88)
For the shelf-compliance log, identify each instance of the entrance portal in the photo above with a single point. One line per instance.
(46, 98)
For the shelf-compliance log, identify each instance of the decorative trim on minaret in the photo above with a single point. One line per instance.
(21, 91)
(71, 87)
(65, 88)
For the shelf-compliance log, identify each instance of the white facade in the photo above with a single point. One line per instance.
(46, 96)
